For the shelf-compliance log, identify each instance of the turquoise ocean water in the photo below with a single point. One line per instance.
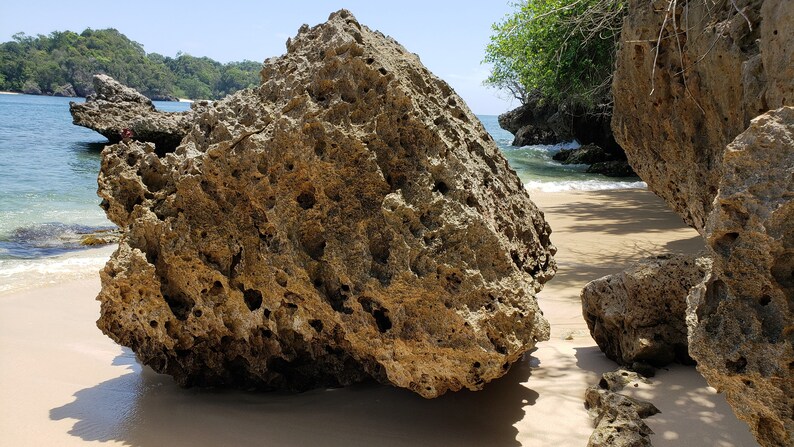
(48, 172)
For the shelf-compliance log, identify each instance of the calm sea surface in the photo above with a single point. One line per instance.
(48, 172)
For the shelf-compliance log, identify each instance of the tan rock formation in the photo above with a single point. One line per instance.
(351, 218)
(115, 107)
(680, 99)
(638, 315)
(618, 418)
(742, 324)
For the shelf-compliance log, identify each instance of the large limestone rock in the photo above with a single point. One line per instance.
(349, 219)
(741, 320)
(115, 107)
(638, 315)
(675, 120)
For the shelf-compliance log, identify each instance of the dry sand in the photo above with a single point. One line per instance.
(64, 383)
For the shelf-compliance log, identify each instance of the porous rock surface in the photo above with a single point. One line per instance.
(638, 315)
(115, 107)
(349, 219)
(741, 320)
(618, 418)
(680, 99)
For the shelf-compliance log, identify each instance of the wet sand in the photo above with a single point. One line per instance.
(62, 382)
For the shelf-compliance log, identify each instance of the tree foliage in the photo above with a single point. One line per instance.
(564, 49)
(47, 64)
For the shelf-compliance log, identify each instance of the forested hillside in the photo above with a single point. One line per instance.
(64, 62)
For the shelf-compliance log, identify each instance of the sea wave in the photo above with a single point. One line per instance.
(22, 274)
(582, 185)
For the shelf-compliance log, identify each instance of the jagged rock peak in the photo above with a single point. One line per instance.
(349, 219)
(109, 89)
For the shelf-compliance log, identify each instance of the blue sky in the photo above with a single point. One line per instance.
(449, 36)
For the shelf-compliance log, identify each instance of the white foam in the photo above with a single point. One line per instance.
(22, 274)
(581, 185)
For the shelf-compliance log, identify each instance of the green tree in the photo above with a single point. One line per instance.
(46, 63)
(564, 49)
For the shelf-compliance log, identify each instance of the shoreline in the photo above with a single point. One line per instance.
(4, 92)
(98, 392)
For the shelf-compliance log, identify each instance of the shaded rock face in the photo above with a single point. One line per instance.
(618, 418)
(741, 321)
(115, 107)
(732, 71)
(600, 161)
(349, 219)
(638, 315)
(529, 123)
(541, 121)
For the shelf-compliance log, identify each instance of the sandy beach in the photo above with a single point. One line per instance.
(62, 382)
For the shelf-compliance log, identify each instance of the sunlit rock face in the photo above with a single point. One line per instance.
(349, 219)
(741, 320)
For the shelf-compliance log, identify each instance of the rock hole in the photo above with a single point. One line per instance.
(724, 243)
(153, 324)
(737, 367)
(783, 271)
(371, 60)
(774, 32)
(766, 299)
(235, 262)
(381, 315)
(319, 148)
(314, 245)
(441, 187)
(306, 199)
(382, 71)
(253, 299)
(317, 325)
(267, 313)
(289, 166)
(197, 313)
(382, 320)
(217, 288)
(476, 364)
(180, 304)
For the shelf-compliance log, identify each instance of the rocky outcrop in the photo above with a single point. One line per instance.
(66, 90)
(542, 121)
(638, 315)
(600, 161)
(618, 418)
(713, 68)
(349, 219)
(736, 65)
(115, 107)
(741, 320)
(529, 123)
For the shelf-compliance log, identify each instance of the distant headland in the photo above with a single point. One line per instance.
(64, 62)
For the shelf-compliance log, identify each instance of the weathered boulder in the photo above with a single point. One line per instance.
(618, 418)
(638, 315)
(543, 121)
(613, 168)
(66, 90)
(586, 154)
(737, 63)
(610, 164)
(115, 107)
(529, 122)
(349, 219)
(741, 320)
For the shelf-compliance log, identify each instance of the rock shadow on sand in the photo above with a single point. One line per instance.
(142, 408)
